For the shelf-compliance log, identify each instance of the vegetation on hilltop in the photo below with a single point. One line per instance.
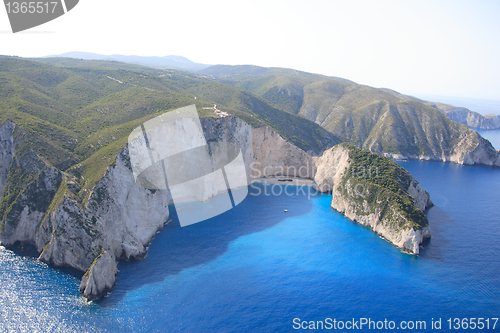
(380, 120)
(382, 184)
(77, 114)
(108, 64)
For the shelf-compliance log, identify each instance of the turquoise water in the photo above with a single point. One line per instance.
(256, 268)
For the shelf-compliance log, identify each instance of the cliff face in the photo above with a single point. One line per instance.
(120, 218)
(119, 221)
(470, 149)
(380, 120)
(359, 191)
(474, 149)
(100, 278)
(265, 152)
(468, 117)
(273, 156)
(126, 215)
(474, 119)
(28, 184)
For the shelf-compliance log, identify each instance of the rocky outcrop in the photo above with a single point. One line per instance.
(474, 119)
(29, 188)
(470, 149)
(421, 198)
(100, 277)
(358, 193)
(127, 216)
(68, 237)
(331, 167)
(120, 218)
(392, 228)
(22, 218)
(474, 149)
(469, 118)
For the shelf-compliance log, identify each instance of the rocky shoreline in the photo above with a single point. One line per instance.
(120, 219)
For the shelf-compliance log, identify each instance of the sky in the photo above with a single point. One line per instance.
(448, 48)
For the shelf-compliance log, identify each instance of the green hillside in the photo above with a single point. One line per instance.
(380, 120)
(71, 62)
(77, 114)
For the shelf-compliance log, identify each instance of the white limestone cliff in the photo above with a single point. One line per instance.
(100, 278)
(470, 149)
(330, 168)
(66, 238)
(120, 217)
(265, 152)
(274, 156)
(126, 218)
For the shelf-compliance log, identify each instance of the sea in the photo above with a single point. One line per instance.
(257, 268)
(491, 135)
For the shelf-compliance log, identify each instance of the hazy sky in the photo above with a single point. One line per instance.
(434, 47)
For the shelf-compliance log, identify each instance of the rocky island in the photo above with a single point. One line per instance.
(377, 193)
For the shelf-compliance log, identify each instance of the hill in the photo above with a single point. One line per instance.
(170, 61)
(67, 183)
(79, 113)
(468, 117)
(380, 120)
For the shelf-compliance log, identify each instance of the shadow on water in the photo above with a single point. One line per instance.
(29, 251)
(439, 221)
(175, 249)
(24, 250)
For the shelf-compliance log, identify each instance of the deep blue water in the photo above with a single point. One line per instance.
(256, 268)
(492, 135)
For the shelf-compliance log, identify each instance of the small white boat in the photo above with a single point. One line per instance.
(286, 210)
